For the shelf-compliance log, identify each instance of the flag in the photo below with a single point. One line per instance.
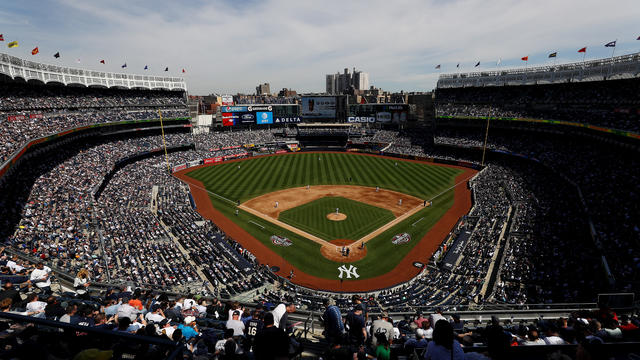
(458, 66)
(611, 44)
(124, 65)
(56, 55)
(78, 61)
(526, 58)
(166, 69)
(1, 37)
(146, 67)
(553, 54)
(12, 44)
(438, 66)
(478, 64)
(583, 50)
(638, 38)
(102, 61)
(362, 100)
(183, 71)
(35, 51)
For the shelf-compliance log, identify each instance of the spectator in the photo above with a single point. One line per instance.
(41, 277)
(444, 346)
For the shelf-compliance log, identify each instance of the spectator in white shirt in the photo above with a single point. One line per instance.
(41, 277)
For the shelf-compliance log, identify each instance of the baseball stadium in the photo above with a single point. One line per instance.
(497, 212)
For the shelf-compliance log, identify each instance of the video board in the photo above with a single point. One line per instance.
(319, 107)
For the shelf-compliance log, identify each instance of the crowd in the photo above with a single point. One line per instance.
(29, 112)
(214, 141)
(605, 176)
(612, 103)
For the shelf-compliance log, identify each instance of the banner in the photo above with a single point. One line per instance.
(235, 109)
(361, 119)
(179, 167)
(288, 120)
(213, 160)
(227, 100)
(264, 117)
(227, 119)
(36, 116)
(16, 117)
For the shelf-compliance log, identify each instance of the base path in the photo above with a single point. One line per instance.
(404, 270)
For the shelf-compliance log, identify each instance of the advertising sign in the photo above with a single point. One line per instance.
(227, 100)
(288, 120)
(361, 119)
(227, 119)
(383, 117)
(318, 107)
(247, 118)
(235, 109)
(264, 117)
(259, 108)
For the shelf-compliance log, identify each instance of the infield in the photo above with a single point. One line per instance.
(312, 218)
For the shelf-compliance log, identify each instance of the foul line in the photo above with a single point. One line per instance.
(210, 192)
(414, 224)
(255, 223)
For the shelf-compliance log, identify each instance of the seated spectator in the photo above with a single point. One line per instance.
(235, 324)
(190, 328)
(444, 346)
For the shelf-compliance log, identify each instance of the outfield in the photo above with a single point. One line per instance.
(243, 180)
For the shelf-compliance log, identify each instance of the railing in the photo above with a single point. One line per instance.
(29, 70)
(619, 67)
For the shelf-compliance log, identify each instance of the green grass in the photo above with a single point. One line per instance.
(263, 175)
(361, 218)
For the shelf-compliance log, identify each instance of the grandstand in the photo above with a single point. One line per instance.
(85, 184)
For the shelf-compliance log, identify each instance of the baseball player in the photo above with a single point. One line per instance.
(276, 204)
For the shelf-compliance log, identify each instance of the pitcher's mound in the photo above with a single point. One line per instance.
(336, 217)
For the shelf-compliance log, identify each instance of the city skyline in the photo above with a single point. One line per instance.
(230, 46)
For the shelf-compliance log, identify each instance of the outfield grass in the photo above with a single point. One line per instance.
(262, 175)
(361, 218)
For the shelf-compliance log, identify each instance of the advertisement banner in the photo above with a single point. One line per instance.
(319, 107)
(264, 117)
(247, 118)
(227, 119)
(288, 120)
(16, 117)
(260, 108)
(383, 117)
(227, 100)
(229, 109)
(180, 167)
(361, 119)
(36, 116)
(213, 160)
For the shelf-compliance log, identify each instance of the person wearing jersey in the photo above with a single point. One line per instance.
(254, 325)
(333, 323)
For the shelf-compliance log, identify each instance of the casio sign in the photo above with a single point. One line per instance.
(361, 119)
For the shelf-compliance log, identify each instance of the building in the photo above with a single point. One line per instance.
(263, 89)
(287, 93)
(332, 83)
(339, 83)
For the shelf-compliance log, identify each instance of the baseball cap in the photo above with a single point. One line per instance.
(236, 313)
(420, 333)
(189, 319)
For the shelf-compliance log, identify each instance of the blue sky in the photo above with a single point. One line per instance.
(231, 46)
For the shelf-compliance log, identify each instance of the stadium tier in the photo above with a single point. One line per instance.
(108, 233)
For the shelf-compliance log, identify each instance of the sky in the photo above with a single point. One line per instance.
(228, 46)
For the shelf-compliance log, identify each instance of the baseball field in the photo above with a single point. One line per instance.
(341, 221)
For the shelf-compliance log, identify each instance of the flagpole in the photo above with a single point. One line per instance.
(615, 43)
(555, 58)
(164, 143)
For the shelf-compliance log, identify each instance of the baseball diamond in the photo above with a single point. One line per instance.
(262, 181)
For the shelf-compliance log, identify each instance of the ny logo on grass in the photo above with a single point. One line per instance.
(351, 270)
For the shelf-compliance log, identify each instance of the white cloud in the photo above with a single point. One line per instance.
(230, 46)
